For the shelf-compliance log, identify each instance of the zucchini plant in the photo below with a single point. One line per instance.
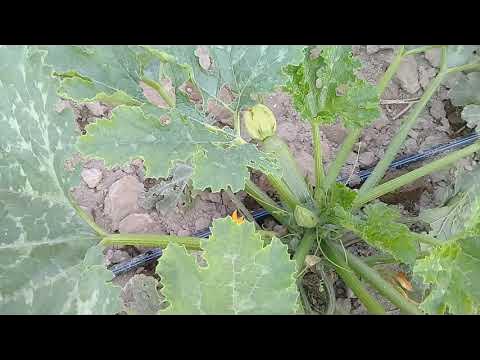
(167, 101)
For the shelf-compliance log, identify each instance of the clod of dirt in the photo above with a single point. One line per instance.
(122, 199)
(92, 177)
(426, 74)
(367, 159)
(335, 133)
(135, 224)
(437, 109)
(372, 49)
(433, 57)
(306, 165)
(407, 75)
(114, 256)
(140, 296)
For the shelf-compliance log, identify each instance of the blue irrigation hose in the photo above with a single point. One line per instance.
(154, 254)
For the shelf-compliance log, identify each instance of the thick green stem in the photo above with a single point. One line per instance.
(387, 259)
(380, 284)
(291, 185)
(151, 240)
(281, 215)
(413, 175)
(340, 159)
(303, 249)
(317, 150)
(336, 256)
(467, 67)
(421, 49)
(286, 196)
(391, 71)
(400, 137)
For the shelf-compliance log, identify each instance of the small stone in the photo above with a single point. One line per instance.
(426, 74)
(92, 177)
(184, 232)
(280, 230)
(122, 199)
(411, 145)
(116, 256)
(335, 133)
(135, 224)
(437, 110)
(202, 223)
(345, 305)
(407, 75)
(306, 164)
(366, 159)
(433, 57)
(213, 197)
(372, 49)
(350, 294)
(433, 140)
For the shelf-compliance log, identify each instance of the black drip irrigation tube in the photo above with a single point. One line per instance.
(154, 254)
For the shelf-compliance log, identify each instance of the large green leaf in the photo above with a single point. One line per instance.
(44, 264)
(245, 69)
(453, 271)
(326, 86)
(458, 55)
(131, 133)
(461, 210)
(241, 276)
(380, 228)
(467, 90)
(152, 82)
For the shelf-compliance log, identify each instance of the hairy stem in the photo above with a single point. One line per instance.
(336, 256)
(388, 259)
(467, 67)
(291, 185)
(400, 137)
(421, 49)
(317, 149)
(340, 159)
(151, 240)
(380, 284)
(391, 71)
(413, 175)
(281, 215)
(303, 249)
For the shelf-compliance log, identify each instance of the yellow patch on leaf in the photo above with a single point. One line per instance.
(237, 219)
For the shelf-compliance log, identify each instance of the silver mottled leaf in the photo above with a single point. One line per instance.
(43, 242)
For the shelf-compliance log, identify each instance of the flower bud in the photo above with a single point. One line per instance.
(305, 218)
(260, 122)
